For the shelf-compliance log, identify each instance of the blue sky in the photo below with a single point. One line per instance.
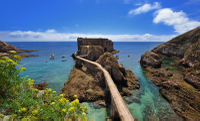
(118, 20)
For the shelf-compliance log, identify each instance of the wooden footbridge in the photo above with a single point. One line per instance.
(119, 108)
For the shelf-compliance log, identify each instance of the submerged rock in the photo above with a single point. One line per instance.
(41, 86)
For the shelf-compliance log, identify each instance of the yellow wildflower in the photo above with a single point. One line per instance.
(72, 109)
(36, 90)
(23, 68)
(49, 90)
(30, 83)
(86, 108)
(17, 57)
(84, 118)
(23, 109)
(54, 92)
(72, 103)
(76, 101)
(13, 52)
(75, 96)
(35, 112)
(64, 110)
(83, 114)
(61, 95)
(63, 100)
(53, 103)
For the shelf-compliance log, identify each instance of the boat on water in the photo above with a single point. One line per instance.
(52, 56)
(63, 56)
(63, 60)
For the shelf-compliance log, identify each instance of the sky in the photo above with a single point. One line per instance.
(117, 20)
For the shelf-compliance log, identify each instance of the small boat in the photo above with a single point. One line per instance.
(63, 60)
(52, 56)
(63, 56)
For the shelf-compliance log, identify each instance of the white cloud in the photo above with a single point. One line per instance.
(50, 31)
(127, 1)
(54, 36)
(145, 8)
(178, 20)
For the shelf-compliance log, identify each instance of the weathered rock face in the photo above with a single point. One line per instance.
(184, 102)
(193, 80)
(109, 62)
(5, 47)
(150, 59)
(118, 73)
(85, 86)
(185, 46)
(182, 98)
(93, 52)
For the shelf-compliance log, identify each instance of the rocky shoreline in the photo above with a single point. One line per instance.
(5, 49)
(180, 86)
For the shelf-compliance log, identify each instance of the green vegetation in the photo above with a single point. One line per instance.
(25, 102)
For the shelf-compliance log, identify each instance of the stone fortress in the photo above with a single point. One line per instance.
(105, 43)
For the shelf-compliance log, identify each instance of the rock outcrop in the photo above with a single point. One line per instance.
(180, 86)
(186, 47)
(88, 82)
(85, 86)
(92, 52)
(119, 74)
(150, 59)
(192, 79)
(5, 49)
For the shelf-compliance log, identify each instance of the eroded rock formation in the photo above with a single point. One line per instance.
(88, 82)
(180, 87)
(150, 59)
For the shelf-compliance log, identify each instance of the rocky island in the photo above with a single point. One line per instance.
(174, 67)
(88, 82)
(5, 49)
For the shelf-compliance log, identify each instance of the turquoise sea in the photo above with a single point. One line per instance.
(146, 101)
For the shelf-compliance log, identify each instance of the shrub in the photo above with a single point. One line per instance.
(29, 103)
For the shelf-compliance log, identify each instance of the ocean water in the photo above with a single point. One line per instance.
(145, 103)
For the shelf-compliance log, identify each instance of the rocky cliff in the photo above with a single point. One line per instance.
(186, 47)
(178, 85)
